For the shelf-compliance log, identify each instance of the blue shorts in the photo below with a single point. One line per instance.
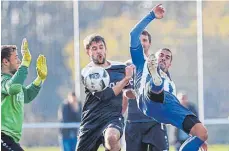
(168, 112)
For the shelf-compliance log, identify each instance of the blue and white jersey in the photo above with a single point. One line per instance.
(143, 76)
(168, 112)
(169, 85)
(134, 115)
(137, 54)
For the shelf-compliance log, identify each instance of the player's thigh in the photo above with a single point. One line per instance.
(8, 144)
(193, 126)
(189, 122)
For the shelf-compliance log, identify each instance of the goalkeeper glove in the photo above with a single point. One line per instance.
(26, 56)
(42, 70)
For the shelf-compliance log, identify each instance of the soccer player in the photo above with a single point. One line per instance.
(155, 101)
(14, 94)
(143, 133)
(102, 121)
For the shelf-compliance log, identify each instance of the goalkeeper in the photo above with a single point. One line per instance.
(14, 94)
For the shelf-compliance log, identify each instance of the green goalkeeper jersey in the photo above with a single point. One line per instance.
(13, 97)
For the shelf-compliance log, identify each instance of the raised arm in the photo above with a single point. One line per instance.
(33, 89)
(136, 49)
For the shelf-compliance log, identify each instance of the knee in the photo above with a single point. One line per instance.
(200, 131)
(112, 139)
(204, 134)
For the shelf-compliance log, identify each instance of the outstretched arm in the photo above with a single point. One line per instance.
(138, 29)
(33, 89)
(136, 48)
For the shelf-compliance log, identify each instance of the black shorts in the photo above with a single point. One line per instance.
(90, 140)
(8, 144)
(140, 136)
(189, 122)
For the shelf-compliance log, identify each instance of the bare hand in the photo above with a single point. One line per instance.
(129, 71)
(159, 11)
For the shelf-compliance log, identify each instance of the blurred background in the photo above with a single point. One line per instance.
(49, 29)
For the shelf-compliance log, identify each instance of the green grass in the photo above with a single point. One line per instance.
(211, 148)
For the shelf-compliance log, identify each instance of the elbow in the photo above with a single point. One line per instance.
(27, 101)
(14, 89)
(129, 94)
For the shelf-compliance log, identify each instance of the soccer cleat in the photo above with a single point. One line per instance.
(152, 67)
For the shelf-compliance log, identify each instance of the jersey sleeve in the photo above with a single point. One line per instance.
(136, 49)
(31, 91)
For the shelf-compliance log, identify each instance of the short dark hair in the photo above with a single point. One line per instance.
(146, 33)
(167, 49)
(6, 51)
(93, 38)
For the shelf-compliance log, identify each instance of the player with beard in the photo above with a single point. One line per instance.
(102, 120)
(14, 94)
(143, 133)
(154, 99)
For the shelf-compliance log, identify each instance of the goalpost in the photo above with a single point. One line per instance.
(77, 76)
(200, 70)
(76, 47)
(200, 59)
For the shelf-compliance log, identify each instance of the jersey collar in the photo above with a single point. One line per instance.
(6, 74)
